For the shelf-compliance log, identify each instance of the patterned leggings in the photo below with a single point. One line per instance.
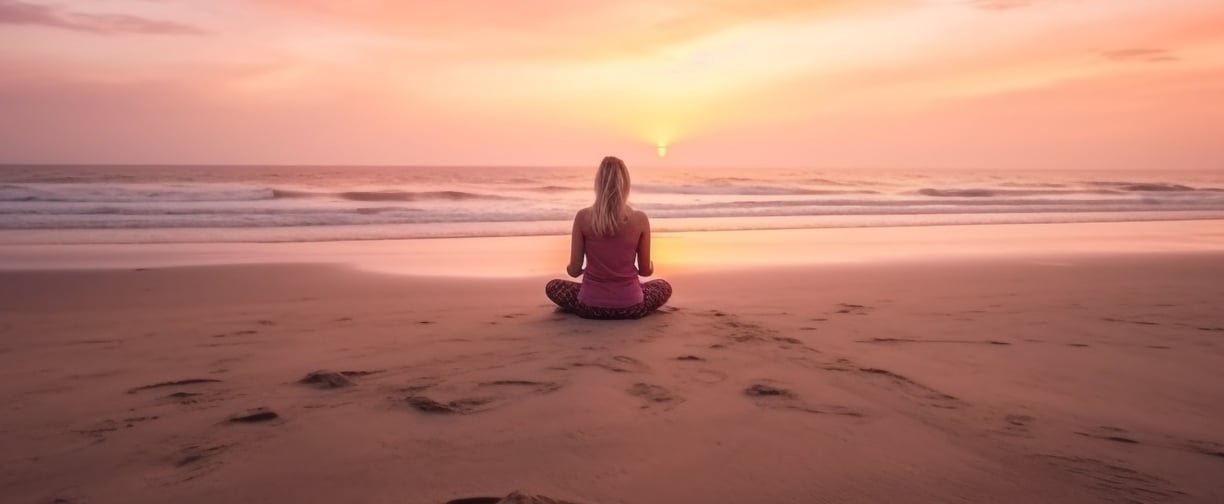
(565, 294)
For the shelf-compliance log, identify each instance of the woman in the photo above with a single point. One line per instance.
(610, 235)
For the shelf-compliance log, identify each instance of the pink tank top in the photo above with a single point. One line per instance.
(610, 279)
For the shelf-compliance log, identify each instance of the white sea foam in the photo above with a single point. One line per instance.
(320, 203)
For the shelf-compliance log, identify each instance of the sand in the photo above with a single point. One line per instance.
(1062, 377)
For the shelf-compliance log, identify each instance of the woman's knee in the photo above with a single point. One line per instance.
(559, 292)
(659, 285)
(656, 293)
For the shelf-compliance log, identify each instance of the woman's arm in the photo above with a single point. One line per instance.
(577, 247)
(645, 264)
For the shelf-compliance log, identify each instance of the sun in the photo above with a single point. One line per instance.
(662, 150)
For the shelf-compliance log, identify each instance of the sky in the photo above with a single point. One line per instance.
(904, 84)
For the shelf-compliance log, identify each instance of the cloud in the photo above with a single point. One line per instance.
(999, 5)
(562, 29)
(17, 12)
(1139, 54)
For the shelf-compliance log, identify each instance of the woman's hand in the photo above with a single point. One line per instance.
(574, 271)
(647, 271)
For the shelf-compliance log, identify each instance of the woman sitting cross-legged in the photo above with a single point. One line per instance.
(610, 235)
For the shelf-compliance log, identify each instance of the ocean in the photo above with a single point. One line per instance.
(185, 204)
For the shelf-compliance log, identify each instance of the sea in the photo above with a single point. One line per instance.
(187, 204)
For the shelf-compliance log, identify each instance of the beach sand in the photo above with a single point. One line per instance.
(1035, 376)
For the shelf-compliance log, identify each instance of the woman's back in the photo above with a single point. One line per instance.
(609, 249)
(611, 276)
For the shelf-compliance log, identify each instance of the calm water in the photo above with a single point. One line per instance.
(80, 204)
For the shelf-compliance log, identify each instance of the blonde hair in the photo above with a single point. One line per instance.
(611, 196)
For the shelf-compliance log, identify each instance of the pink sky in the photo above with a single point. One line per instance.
(988, 84)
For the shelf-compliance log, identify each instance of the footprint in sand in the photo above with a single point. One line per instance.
(616, 364)
(192, 460)
(768, 395)
(1016, 424)
(733, 330)
(490, 395)
(542, 387)
(1209, 448)
(256, 415)
(324, 379)
(514, 498)
(908, 340)
(822, 363)
(176, 383)
(247, 332)
(458, 406)
(99, 430)
(1019, 420)
(852, 309)
(232, 343)
(418, 384)
(132, 421)
(92, 342)
(765, 390)
(203, 399)
(1136, 322)
(183, 397)
(928, 395)
(1108, 433)
(654, 394)
(1114, 481)
(197, 456)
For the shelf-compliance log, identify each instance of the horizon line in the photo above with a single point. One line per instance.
(4, 164)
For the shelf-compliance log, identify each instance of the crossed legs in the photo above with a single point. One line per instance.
(565, 294)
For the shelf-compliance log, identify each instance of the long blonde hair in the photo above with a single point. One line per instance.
(611, 196)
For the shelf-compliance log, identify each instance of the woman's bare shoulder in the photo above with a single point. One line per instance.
(582, 219)
(638, 219)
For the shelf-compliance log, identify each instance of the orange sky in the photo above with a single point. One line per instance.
(990, 84)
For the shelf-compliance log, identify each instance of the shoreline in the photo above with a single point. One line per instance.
(527, 229)
(536, 256)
